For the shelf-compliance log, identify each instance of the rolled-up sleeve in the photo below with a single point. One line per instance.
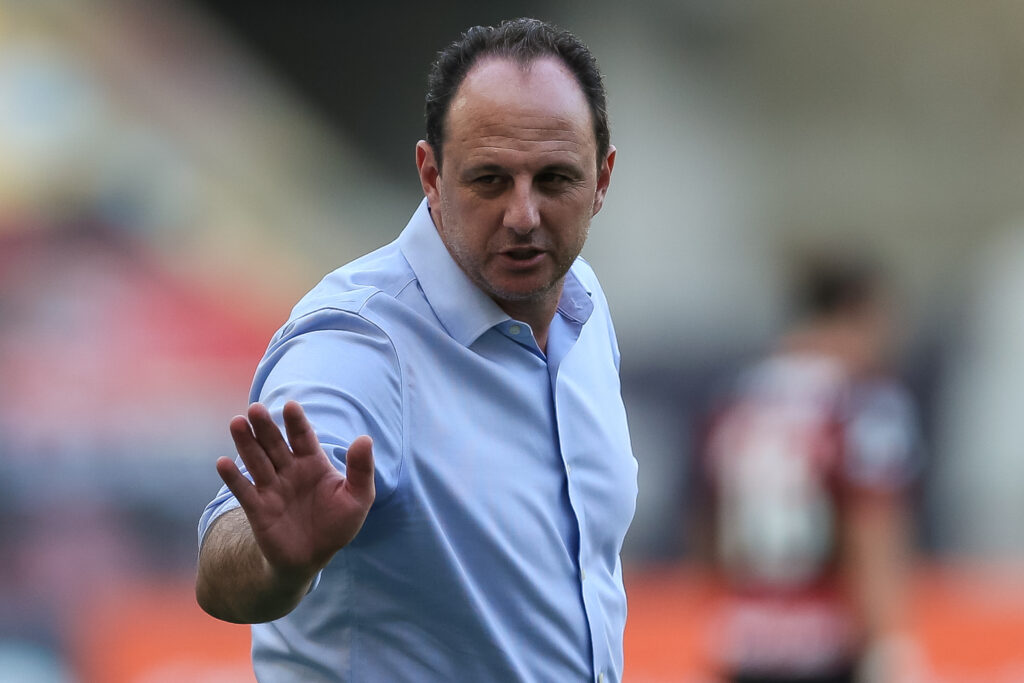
(344, 371)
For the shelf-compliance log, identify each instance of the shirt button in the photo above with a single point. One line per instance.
(600, 677)
(583, 574)
(515, 329)
(568, 468)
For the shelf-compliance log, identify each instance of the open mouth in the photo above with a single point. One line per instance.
(522, 258)
(522, 254)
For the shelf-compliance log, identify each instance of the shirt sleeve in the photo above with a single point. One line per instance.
(882, 438)
(344, 371)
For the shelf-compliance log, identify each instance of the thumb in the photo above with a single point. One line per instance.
(359, 467)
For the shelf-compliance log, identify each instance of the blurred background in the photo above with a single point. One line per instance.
(175, 175)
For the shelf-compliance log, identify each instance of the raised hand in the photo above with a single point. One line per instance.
(301, 509)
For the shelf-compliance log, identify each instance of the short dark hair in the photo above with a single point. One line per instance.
(828, 285)
(522, 40)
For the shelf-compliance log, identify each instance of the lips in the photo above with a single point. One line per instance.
(521, 253)
(522, 257)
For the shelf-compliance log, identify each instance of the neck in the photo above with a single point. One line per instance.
(841, 340)
(537, 313)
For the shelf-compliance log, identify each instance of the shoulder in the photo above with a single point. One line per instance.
(350, 287)
(882, 434)
(374, 295)
(348, 319)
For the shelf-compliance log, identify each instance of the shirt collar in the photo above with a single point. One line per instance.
(463, 308)
(575, 303)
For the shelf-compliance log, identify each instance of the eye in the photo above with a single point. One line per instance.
(554, 179)
(490, 179)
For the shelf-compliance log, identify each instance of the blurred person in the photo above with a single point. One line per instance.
(456, 480)
(808, 462)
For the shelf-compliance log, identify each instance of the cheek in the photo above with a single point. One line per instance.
(575, 225)
(461, 235)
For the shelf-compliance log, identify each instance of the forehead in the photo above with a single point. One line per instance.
(503, 103)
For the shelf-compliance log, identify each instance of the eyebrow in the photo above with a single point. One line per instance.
(565, 169)
(483, 169)
(490, 168)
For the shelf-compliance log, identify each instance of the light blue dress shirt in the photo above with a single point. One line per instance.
(505, 479)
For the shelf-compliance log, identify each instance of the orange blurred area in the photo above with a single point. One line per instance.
(156, 634)
(968, 623)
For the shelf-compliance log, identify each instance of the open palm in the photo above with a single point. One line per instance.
(301, 509)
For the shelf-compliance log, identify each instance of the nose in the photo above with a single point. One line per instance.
(522, 213)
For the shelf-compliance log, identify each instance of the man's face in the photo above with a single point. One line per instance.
(520, 181)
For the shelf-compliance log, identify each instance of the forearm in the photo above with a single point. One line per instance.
(880, 565)
(235, 583)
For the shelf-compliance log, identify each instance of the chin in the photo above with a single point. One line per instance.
(521, 294)
(518, 297)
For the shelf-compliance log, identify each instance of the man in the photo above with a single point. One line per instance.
(808, 465)
(454, 506)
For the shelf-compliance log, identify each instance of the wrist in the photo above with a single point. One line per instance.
(290, 580)
(893, 656)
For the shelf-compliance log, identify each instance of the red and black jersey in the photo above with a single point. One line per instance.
(795, 437)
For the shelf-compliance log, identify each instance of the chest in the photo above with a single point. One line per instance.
(495, 433)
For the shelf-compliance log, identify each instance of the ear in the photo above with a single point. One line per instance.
(430, 173)
(604, 178)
